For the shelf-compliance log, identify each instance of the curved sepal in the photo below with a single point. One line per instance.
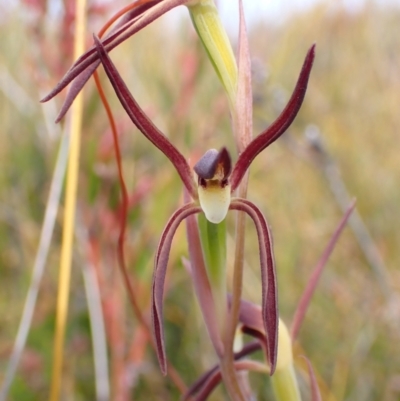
(278, 127)
(160, 269)
(268, 276)
(143, 123)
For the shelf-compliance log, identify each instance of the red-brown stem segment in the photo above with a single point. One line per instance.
(278, 127)
(144, 124)
(268, 276)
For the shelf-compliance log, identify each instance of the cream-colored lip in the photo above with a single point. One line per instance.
(215, 200)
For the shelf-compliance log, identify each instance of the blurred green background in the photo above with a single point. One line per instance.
(352, 329)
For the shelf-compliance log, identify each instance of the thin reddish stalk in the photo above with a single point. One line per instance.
(316, 274)
(124, 202)
(315, 393)
(117, 343)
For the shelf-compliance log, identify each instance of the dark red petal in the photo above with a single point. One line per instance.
(316, 274)
(160, 269)
(278, 127)
(268, 276)
(206, 167)
(144, 124)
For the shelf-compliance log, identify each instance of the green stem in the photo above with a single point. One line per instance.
(213, 239)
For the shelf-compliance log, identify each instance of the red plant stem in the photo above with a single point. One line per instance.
(117, 343)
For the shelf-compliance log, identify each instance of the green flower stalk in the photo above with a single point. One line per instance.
(213, 242)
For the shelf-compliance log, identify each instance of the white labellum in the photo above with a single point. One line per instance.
(215, 200)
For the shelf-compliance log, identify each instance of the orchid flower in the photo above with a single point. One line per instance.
(212, 193)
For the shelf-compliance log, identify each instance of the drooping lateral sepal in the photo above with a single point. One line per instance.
(143, 122)
(269, 306)
(278, 127)
(160, 270)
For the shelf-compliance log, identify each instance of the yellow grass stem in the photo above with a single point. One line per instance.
(69, 214)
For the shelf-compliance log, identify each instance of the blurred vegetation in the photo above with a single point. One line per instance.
(351, 332)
